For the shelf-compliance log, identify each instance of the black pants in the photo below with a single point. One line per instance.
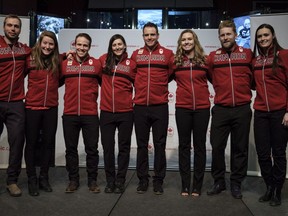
(236, 122)
(90, 132)
(12, 114)
(187, 121)
(46, 120)
(271, 141)
(109, 122)
(145, 118)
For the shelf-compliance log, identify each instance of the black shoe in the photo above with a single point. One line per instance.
(33, 186)
(267, 196)
(276, 198)
(109, 187)
(216, 189)
(44, 184)
(236, 191)
(142, 187)
(93, 187)
(119, 188)
(72, 187)
(158, 189)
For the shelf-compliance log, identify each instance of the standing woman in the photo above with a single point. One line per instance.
(116, 111)
(270, 69)
(41, 108)
(192, 109)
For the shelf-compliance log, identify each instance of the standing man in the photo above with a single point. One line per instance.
(154, 65)
(82, 77)
(230, 70)
(12, 112)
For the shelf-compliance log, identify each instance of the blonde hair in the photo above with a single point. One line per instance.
(199, 55)
(227, 24)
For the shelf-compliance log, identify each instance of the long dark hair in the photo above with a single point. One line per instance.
(111, 58)
(276, 45)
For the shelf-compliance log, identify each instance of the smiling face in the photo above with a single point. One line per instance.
(264, 38)
(118, 47)
(150, 36)
(82, 46)
(47, 45)
(227, 38)
(187, 42)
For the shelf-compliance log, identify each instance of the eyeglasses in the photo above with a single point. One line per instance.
(147, 35)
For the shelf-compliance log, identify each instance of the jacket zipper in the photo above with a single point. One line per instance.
(264, 85)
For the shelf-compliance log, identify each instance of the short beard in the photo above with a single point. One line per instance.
(12, 40)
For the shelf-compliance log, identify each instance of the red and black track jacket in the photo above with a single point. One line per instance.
(231, 76)
(81, 86)
(42, 87)
(12, 66)
(153, 70)
(271, 86)
(192, 87)
(117, 85)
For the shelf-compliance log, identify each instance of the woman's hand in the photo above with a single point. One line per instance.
(285, 120)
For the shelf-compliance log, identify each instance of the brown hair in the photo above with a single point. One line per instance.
(53, 61)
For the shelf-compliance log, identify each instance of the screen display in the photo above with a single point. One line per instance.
(49, 23)
(154, 16)
(243, 31)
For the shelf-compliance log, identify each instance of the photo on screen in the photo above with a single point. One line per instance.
(49, 23)
(243, 31)
(154, 16)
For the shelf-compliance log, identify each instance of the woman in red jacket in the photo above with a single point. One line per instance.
(270, 70)
(192, 109)
(116, 111)
(41, 109)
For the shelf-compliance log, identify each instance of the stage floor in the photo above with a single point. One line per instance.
(84, 203)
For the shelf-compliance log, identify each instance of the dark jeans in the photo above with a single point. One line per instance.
(109, 122)
(271, 141)
(12, 114)
(189, 121)
(145, 118)
(236, 122)
(90, 132)
(46, 120)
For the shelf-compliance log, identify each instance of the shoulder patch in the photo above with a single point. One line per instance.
(218, 52)
(69, 62)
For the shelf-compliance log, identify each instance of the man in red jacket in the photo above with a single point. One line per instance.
(154, 65)
(12, 112)
(230, 70)
(82, 77)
